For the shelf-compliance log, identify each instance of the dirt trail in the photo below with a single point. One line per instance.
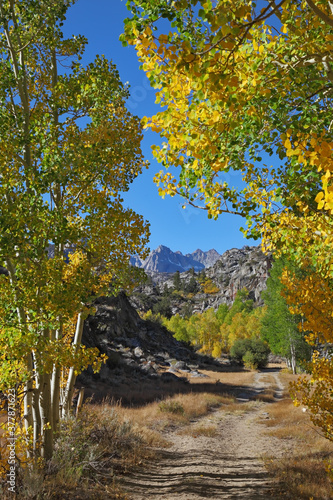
(228, 465)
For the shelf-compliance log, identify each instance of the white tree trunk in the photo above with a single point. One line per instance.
(68, 392)
(292, 355)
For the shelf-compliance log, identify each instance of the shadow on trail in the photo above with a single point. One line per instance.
(186, 473)
(139, 392)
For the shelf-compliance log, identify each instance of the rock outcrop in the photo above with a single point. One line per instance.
(236, 269)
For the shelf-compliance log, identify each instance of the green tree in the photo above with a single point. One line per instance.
(279, 326)
(68, 148)
(221, 312)
(163, 306)
(177, 283)
(240, 304)
(202, 276)
(192, 286)
(178, 325)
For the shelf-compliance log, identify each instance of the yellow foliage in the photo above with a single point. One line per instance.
(240, 85)
(209, 287)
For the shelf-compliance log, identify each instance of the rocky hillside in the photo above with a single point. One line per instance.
(138, 353)
(164, 260)
(241, 268)
(197, 291)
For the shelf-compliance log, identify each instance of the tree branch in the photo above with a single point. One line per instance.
(324, 17)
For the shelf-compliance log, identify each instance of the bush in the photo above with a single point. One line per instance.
(249, 360)
(239, 348)
(94, 445)
(171, 407)
(252, 353)
(210, 287)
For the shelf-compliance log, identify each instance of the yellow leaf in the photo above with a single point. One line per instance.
(287, 144)
(155, 128)
(319, 200)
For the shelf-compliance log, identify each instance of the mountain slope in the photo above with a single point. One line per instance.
(164, 260)
(208, 259)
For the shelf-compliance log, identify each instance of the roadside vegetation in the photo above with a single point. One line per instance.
(107, 441)
(306, 470)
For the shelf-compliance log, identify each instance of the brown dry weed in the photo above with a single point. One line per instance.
(303, 471)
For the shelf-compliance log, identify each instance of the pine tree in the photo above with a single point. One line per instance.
(192, 285)
(177, 281)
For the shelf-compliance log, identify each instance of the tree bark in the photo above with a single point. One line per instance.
(46, 417)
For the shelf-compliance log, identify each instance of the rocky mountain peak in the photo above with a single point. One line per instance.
(164, 260)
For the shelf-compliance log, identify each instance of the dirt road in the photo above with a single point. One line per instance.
(228, 465)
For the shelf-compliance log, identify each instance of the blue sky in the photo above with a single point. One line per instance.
(101, 22)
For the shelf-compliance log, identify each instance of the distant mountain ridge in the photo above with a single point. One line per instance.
(164, 260)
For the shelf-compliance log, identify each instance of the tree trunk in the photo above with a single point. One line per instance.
(37, 423)
(46, 417)
(55, 398)
(43, 422)
(28, 396)
(293, 356)
(67, 400)
(55, 390)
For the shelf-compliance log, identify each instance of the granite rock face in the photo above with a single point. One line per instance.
(241, 268)
(208, 259)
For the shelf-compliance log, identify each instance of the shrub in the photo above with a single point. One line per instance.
(261, 351)
(239, 348)
(252, 353)
(94, 444)
(249, 360)
(171, 407)
(163, 307)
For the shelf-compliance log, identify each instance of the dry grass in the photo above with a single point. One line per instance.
(302, 472)
(110, 439)
(234, 379)
(241, 408)
(141, 392)
(175, 411)
(267, 396)
(206, 430)
(90, 452)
